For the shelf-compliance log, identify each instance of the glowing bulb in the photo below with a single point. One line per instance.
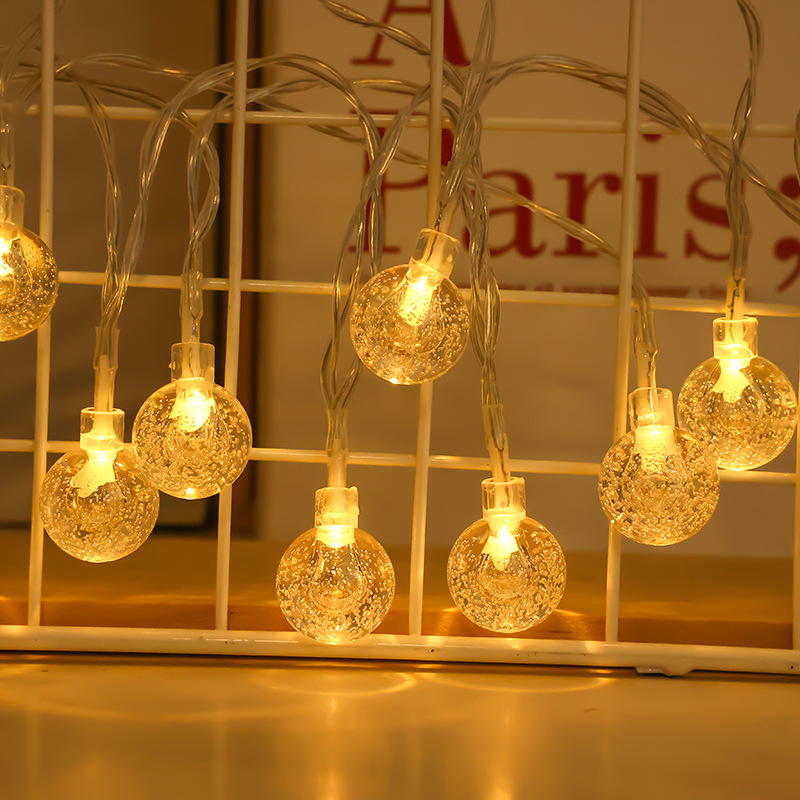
(658, 484)
(192, 437)
(96, 503)
(335, 583)
(96, 472)
(741, 405)
(655, 444)
(506, 572)
(409, 324)
(28, 272)
(501, 546)
(194, 404)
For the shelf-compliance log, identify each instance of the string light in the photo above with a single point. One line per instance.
(506, 572)
(741, 405)
(409, 324)
(192, 437)
(28, 272)
(335, 583)
(96, 503)
(658, 484)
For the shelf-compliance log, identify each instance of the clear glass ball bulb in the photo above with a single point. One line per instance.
(97, 504)
(658, 484)
(506, 572)
(192, 437)
(741, 405)
(28, 272)
(335, 583)
(409, 324)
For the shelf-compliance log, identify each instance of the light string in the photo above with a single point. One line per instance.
(463, 186)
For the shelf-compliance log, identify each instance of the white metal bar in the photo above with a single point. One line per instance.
(234, 291)
(43, 336)
(670, 659)
(626, 248)
(136, 114)
(472, 463)
(422, 470)
(519, 296)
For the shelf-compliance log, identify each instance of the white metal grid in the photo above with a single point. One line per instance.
(661, 657)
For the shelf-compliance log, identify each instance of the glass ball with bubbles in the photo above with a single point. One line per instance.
(96, 503)
(409, 324)
(28, 272)
(192, 436)
(658, 484)
(335, 583)
(741, 405)
(506, 572)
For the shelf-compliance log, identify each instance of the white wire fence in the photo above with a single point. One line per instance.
(414, 645)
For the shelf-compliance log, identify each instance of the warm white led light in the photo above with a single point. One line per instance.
(741, 405)
(409, 323)
(335, 583)
(732, 382)
(96, 472)
(336, 535)
(420, 282)
(6, 272)
(658, 484)
(194, 404)
(501, 546)
(506, 572)
(96, 503)
(192, 437)
(654, 444)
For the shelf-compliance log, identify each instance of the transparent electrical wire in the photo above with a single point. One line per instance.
(467, 138)
(336, 389)
(206, 215)
(738, 215)
(655, 103)
(201, 219)
(10, 108)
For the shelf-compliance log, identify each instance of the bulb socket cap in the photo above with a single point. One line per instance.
(336, 505)
(735, 338)
(436, 250)
(192, 360)
(102, 430)
(12, 208)
(503, 502)
(651, 406)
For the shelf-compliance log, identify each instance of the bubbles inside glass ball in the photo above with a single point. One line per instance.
(746, 416)
(662, 495)
(335, 594)
(108, 524)
(512, 585)
(192, 438)
(406, 335)
(28, 284)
